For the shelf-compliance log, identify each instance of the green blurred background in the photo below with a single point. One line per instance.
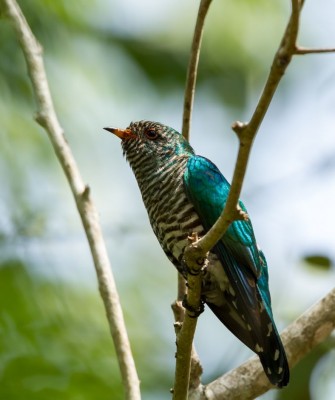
(110, 62)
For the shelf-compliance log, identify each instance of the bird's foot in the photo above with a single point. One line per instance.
(196, 271)
(194, 259)
(193, 237)
(193, 312)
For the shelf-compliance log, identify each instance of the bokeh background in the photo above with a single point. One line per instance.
(110, 62)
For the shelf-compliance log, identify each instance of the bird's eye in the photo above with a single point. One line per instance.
(151, 133)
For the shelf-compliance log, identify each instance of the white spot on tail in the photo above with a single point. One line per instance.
(270, 329)
(234, 304)
(276, 356)
(258, 348)
(232, 291)
(269, 371)
(280, 370)
(249, 327)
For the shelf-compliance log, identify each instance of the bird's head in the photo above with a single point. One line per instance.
(146, 142)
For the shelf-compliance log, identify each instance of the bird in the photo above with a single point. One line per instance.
(184, 194)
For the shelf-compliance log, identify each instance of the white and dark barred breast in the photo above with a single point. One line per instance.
(173, 217)
(171, 214)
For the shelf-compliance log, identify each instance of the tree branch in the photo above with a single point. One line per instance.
(185, 332)
(46, 117)
(187, 360)
(188, 106)
(248, 381)
(193, 67)
(246, 133)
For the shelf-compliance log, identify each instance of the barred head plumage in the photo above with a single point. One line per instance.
(150, 143)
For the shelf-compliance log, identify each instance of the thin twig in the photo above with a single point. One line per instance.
(248, 381)
(246, 133)
(189, 99)
(187, 360)
(304, 50)
(193, 67)
(47, 117)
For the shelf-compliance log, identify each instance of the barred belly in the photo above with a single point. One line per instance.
(173, 219)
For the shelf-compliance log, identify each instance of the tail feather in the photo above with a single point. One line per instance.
(250, 316)
(262, 338)
(273, 356)
(275, 363)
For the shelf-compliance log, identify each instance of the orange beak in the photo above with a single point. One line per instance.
(121, 133)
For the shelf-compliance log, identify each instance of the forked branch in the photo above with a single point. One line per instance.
(246, 132)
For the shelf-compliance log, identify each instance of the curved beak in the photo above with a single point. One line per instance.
(121, 133)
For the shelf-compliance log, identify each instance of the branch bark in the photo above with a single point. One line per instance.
(304, 50)
(246, 132)
(248, 381)
(193, 67)
(185, 336)
(188, 368)
(47, 118)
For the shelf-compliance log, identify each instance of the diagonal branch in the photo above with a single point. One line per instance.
(47, 117)
(246, 132)
(248, 381)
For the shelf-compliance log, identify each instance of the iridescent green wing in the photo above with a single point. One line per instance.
(247, 310)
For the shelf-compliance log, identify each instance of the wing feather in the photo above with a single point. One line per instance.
(248, 313)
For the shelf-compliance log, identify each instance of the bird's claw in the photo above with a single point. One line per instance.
(193, 312)
(195, 272)
(193, 238)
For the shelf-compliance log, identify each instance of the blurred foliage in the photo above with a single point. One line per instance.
(51, 23)
(162, 56)
(55, 342)
(299, 387)
(318, 261)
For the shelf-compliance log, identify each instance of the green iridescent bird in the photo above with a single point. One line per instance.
(185, 193)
